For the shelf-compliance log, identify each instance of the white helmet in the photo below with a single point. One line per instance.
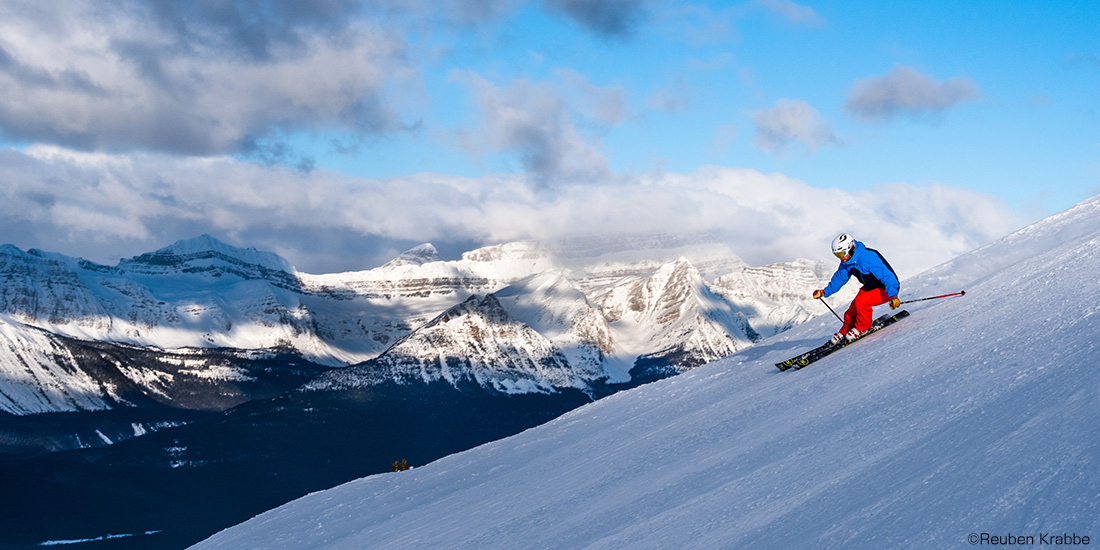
(842, 244)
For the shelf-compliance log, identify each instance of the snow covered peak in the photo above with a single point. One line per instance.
(12, 250)
(673, 314)
(418, 255)
(521, 250)
(205, 253)
(552, 305)
(541, 288)
(476, 341)
(671, 288)
(12, 254)
(681, 266)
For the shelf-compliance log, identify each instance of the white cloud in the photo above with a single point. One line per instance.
(211, 78)
(673, 98)
(603, 104)
(103, 207)
(534, 121)
(127, 76)
(791, 120)
(792, 12)
(904, 90)
(723, 136)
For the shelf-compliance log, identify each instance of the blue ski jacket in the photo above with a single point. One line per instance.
(869, 267)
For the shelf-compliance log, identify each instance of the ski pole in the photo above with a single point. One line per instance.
(831, 309)
(960, 293)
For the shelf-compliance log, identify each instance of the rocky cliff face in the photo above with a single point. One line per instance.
(673, 314)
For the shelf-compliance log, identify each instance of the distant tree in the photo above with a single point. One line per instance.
(400, 465)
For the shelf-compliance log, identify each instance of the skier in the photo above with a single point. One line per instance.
(880, 284)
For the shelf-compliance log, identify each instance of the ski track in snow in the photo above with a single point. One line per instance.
(977, 414)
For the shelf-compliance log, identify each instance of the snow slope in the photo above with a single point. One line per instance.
(38, 374)
(976, 415)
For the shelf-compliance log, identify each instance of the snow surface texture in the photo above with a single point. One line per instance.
(977, 414)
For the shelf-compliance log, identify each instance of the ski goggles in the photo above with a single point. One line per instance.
(841, 255)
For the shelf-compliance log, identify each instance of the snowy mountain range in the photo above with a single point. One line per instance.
(42, 372)
(517, 317)
(975, 421)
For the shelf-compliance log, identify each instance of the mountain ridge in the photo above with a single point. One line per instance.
(204, 294)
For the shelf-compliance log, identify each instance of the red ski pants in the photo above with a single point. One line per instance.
(859, 313)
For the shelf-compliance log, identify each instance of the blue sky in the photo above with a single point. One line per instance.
(1034, 100)
(340, 132)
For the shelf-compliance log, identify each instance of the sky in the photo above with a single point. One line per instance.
(339, 133)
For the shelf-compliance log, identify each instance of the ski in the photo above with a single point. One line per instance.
(804, 359)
